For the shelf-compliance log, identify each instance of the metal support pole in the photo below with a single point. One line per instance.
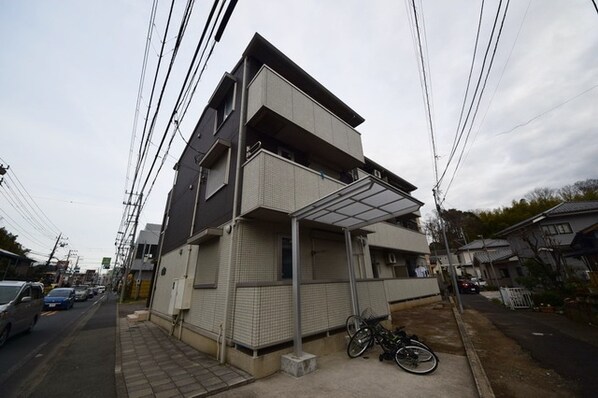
(352, 283)
(296, 287)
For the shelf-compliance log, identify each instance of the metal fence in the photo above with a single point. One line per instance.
(516, 297)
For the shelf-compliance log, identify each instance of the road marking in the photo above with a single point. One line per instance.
(49, 313)
(541, 334)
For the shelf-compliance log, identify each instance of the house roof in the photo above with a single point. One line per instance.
(497, 255)
(562, 209)
(14, 256)
(479, 244)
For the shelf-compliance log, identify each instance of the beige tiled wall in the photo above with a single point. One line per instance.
(264, 314)
(409, 288)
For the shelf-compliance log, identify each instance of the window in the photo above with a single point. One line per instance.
(557, 229)
(286, 258)
(225, 108)
(208, 258)
(215, 167)
(504, 273)
(217, 174)
(286, 153)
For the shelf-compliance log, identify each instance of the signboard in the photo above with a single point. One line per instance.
(106, 262)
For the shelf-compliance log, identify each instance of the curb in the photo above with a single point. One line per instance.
(477, 370)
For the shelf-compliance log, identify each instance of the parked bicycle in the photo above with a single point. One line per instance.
(356, 322)
(408, 355)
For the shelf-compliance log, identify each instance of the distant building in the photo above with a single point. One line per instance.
(146, 255)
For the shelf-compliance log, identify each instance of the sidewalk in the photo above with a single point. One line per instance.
(150, 363)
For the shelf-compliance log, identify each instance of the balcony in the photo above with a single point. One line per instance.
(275, 183)
(397, 238)
(278, 108)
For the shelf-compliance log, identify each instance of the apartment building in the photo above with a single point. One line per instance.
(277, 227)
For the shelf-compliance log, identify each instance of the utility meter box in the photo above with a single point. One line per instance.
(180, 296)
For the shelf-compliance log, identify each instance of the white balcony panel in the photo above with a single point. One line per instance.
(270, 90)
(409, 288)
(397, 238)
(273, 182)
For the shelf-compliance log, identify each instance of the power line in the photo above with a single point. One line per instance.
(479, 98)
(425, 89)
(547, 111)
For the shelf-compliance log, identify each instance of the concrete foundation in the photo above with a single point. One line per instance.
(298, 366)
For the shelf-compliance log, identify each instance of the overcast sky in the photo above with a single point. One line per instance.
(69, 75)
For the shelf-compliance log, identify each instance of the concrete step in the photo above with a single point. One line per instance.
(143, 315)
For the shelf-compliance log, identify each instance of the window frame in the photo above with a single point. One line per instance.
(280, 254)
(213, 284)
(225, 177)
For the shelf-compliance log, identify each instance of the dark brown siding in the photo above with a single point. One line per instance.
(218, 208)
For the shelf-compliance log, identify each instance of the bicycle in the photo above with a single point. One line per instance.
(412, 358)
(356, 322)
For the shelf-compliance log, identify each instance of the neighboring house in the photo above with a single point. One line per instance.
(548, 236)
(146, 254)
(474, 258)
(499, 267)
(272, 229)
(14, 265)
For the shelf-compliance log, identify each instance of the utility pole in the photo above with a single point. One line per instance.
(448, 252)
(54, 249)
(129, 261)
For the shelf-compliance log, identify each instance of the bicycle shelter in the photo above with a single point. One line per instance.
(366, 201)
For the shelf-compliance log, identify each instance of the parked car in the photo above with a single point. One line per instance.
(467, 286)
(60, 298)
(80, 292)
(21, 304)
(101, 289)
(90, 292)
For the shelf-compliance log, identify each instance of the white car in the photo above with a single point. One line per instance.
(481, 282)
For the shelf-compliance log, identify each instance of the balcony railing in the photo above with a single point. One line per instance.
(275, 183)
(283, 110)
(397, 238)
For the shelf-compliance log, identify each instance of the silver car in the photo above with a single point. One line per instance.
(21, 304)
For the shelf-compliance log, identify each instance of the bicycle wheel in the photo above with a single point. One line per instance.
(416, 359)
(359, 342)
(423, 345)
(354, 323)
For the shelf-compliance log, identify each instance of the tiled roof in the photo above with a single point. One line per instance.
(558, 210)
(498, 255)
(574, 207)
(479, 244)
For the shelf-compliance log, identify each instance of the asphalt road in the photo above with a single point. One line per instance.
(557, 343)
(69, 353)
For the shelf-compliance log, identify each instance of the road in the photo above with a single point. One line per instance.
(557, 343)
(68, 353)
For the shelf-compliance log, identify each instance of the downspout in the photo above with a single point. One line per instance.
(236, 210)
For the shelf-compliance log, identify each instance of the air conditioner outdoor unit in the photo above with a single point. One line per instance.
(377, 174)
(391, 258)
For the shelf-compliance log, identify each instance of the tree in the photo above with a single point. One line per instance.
(9, 242)
(461, 226)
